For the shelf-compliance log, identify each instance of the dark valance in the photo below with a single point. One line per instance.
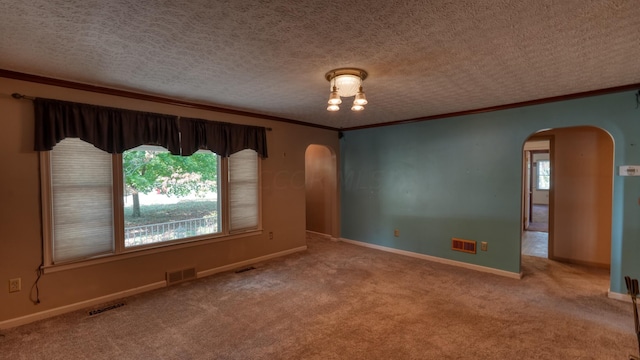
(223, 139)
(109, 129)
(116, 130)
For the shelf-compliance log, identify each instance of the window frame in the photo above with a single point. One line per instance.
(119, 249)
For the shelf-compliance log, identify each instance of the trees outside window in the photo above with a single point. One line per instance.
(178, 194)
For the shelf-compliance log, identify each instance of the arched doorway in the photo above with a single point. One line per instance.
(580, 194)
(321, 191)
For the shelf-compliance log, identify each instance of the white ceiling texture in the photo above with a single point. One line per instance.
(269, 57)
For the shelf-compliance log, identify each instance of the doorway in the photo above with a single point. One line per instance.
(580, 195)
(321, 191)
(536, 188)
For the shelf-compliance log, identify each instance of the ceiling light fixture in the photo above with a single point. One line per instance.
(346, 82)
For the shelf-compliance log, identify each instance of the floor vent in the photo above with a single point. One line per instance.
(468, 246)
(174, 277)
(105, 308)
(245, 269)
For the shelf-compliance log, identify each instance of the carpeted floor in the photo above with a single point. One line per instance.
(341, 301)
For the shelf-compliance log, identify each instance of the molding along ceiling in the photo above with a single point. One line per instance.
(270, 57)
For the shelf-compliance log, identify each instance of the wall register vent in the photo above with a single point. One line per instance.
(105, 308)
(174, 277)
(245, 269)
(468, 246)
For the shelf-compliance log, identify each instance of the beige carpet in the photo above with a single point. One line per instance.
(340, 301)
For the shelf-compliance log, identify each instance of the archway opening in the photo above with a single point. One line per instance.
(580, 194)
(321, 191)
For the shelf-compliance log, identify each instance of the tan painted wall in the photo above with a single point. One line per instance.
(582, 183)
(283, 206)
(321, 183)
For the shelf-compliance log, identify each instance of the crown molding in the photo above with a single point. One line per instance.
(546, 100)
(147, 97)
(164, 100)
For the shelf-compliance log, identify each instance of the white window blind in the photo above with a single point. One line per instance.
(81, 184)
(243, 190)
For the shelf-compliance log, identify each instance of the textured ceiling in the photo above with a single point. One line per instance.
(269, 57)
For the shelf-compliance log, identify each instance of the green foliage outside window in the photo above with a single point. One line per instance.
(173, 175)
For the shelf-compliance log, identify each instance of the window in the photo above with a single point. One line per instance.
(102, 204)
(113, 194)
(169, 197)
(544, 174)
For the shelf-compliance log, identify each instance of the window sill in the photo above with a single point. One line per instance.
(147, 250)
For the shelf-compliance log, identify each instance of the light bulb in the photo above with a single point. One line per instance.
(357, 107)
(360, 98)
(333, 107)
(334, 98)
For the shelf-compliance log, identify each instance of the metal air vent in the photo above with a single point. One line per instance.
(468, 246)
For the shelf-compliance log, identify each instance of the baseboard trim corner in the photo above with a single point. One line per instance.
(322, 235)
(481, 268)
(23, 320)
(240, 264)
(618, 296)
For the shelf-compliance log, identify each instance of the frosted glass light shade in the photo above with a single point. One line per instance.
(347, 84)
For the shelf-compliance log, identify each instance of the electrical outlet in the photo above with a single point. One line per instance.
(270, 235)
(484, 246)
(396, 233)
(15, 285)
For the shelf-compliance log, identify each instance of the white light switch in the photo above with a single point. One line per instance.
(629, 170)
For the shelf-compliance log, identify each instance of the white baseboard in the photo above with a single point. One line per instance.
(618, 296)
(239, 264)
(126, 293)
(79, 305)
(508, 274)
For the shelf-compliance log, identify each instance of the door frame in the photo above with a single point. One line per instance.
(527, 176)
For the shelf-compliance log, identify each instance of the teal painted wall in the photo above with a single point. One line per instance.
(462, 177)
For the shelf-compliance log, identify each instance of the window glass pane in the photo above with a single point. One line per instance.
(544, 174)
(82, 194)
(169, 197)
(243, 190)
